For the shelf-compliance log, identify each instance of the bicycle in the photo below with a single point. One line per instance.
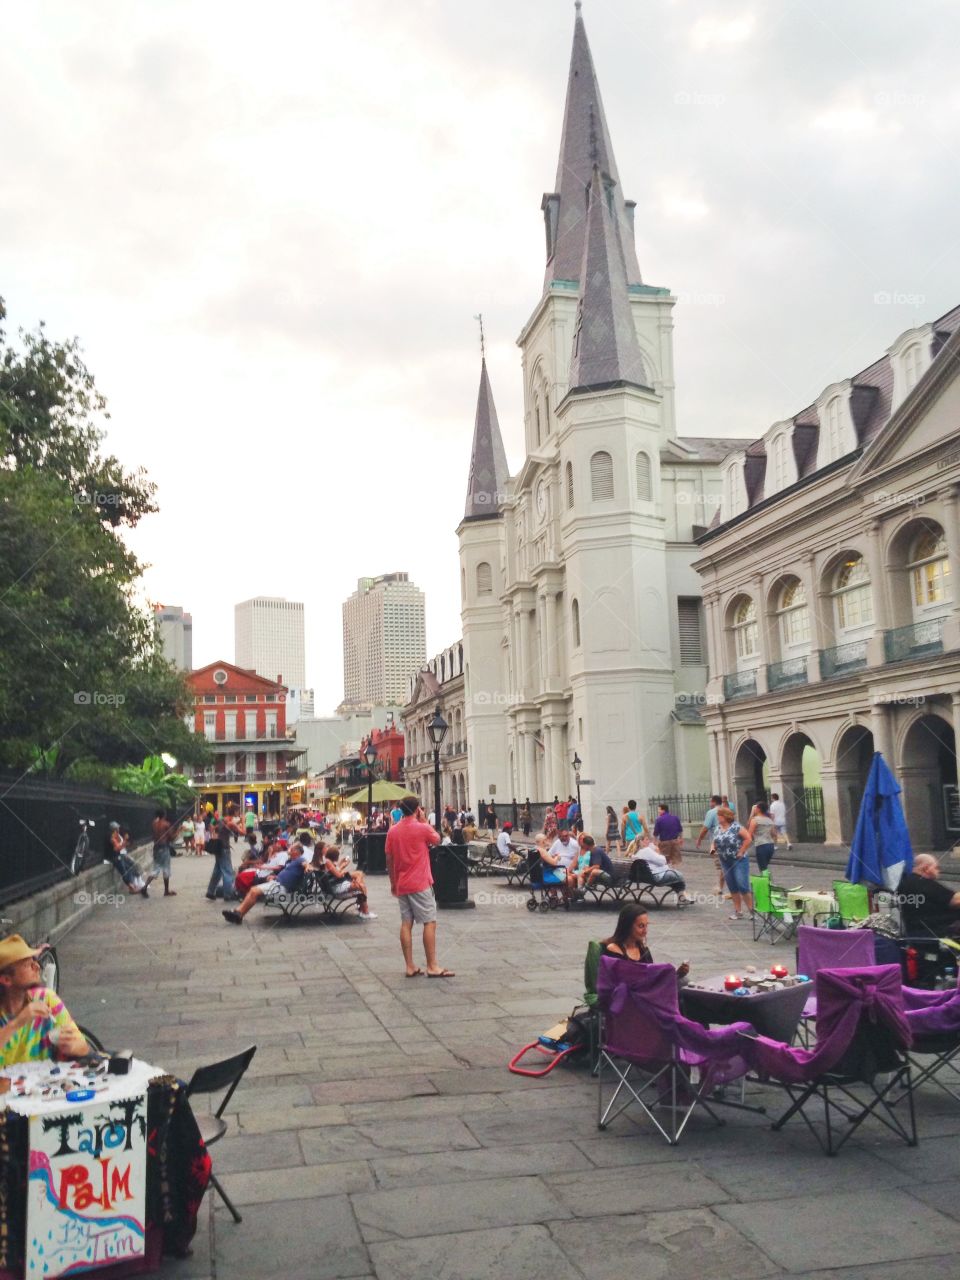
(46, 958)
(81, 852)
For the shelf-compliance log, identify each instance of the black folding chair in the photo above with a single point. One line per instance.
(873, 1052)
(95, 1043)
(226, 1074)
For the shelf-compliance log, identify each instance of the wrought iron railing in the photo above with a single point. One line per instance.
(843, 659)
(919, 640)
(688, 808)
(742, 684)
(786, 674)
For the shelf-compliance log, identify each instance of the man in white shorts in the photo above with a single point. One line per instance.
(778, 812)
(411, 881)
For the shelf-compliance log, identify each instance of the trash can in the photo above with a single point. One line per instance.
(450, 869)
(370, 850)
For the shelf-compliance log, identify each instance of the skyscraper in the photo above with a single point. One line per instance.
(384, 639)
(175, 629)
(268, 638)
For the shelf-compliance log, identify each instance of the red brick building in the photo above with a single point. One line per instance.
(390, 752)
(244, 718)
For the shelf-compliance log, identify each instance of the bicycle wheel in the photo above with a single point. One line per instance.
(79, 858)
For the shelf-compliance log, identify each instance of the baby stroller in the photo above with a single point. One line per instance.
(544, 895)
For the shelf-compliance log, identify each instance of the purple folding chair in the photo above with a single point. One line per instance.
(934, 1019)
(829, 949)
(862, 1035)
(654, 1051)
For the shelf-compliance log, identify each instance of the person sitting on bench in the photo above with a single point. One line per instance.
(343, 878)
(287, 880)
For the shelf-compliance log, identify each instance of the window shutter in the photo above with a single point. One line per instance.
(569, 485)
(601, 477)
(484, 579)
(644, 489)
(691, 633)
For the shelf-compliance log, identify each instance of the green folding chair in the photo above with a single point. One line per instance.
(853, 901)
(772, 914)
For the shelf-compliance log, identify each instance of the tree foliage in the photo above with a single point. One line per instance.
(81, 672)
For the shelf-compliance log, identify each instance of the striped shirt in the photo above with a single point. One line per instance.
(31, 1043)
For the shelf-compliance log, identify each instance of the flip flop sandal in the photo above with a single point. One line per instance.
(444, 973)
(417, 973)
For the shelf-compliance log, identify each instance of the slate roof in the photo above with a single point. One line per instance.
(489, 473)
(605, 347)
(585, 142)
(713, 449)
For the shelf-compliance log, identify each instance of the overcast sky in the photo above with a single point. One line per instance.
(271, 227)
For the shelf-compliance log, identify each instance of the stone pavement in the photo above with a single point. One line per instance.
(379, 1133)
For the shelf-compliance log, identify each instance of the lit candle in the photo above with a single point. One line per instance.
(779, 970)
(731, 982)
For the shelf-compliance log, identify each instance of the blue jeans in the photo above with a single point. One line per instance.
(222, 870)
(736, 872)
(764, 854)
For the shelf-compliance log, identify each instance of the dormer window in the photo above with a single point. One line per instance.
(832, 430)
(779, 461)
(912, 366)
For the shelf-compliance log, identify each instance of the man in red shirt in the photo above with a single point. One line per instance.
(411, 882)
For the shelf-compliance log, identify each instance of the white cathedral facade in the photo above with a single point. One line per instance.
(582, 616)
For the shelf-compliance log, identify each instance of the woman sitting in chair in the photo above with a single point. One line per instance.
(344, 879)
(629, 939)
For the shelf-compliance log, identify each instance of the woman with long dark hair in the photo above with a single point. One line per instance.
(629, 939)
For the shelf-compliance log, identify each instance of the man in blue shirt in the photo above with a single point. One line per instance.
(709, 829)
(287, 880)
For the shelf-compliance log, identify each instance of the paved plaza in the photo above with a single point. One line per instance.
(379, 1133)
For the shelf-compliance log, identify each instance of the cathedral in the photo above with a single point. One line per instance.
(583, 630)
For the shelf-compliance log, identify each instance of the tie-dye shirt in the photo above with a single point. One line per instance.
(32, 1042)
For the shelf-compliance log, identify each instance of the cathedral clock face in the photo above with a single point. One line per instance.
(541, 500)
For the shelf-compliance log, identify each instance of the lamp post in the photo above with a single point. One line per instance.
(437, 728)
(577, 766)
(370, 756)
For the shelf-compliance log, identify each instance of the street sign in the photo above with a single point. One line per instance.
(587, 782)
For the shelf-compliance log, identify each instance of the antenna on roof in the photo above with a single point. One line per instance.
(483, 350)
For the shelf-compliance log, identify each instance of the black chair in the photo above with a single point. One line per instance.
(226, 1074)
(95, 1043)
(873, 1052)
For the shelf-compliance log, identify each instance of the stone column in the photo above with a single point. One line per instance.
(530, 766)
(830, 782)
(759, 596)
(808, 576)
(549, 770)
(882, 730)
(951, 530)
(724, 771)
(878, 588)
(551, 634)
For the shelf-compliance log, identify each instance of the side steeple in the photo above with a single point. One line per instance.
(488, 460)
(585, 142)
(605, 347)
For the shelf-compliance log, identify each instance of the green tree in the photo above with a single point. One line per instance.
(81, 673)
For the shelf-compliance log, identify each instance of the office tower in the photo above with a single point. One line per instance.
(175, 629)
(384, 639)
(268, 637)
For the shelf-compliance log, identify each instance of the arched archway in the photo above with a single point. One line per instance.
(802, 789)
(853, 757)
(750, 777)
(928, 766)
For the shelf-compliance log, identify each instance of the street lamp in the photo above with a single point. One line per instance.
(437, 728)
(370, 755)
(577, 766)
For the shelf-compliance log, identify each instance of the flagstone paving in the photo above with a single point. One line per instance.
(379, 1133)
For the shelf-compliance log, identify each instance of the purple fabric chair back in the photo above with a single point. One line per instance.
(833, 949)
(642, 1022)
(933, 1013)
(844, 996)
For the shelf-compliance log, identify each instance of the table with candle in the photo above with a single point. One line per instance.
(811, 903)
(771, 1000)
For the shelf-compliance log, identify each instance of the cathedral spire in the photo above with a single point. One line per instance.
(488, 460)
(605, 347)
(585, 142)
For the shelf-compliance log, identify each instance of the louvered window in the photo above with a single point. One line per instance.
(569, 485)
(644, 489)
(601, 477)
(484, 579)
(575, 617)
(691, 631)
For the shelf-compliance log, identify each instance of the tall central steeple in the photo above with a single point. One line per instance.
(585, 143)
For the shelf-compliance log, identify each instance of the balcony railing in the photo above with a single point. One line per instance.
(247, 775)
(742, 684)
(843, 660)
(919, 640)
(786, 674)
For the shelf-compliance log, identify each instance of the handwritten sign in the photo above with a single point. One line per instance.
(86, 1187)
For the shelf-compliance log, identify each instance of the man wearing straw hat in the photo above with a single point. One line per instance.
(34, 1022)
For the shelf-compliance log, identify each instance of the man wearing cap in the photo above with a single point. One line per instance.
(505, 849)
(34, 1022)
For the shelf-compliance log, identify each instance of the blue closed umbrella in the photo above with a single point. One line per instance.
(881, 851)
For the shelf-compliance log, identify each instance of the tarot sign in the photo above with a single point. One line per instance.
(86, 1188)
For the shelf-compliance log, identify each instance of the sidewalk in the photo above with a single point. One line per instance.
(378, 1132)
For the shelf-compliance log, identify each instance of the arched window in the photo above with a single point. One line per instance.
(484, 579)
(536, 416)
(601, 477)
(794, 615)
(569, 475)
(929, 569)
(575, 617)
(745, 630)
(912, 366)
(779, 460)
(644, 484)
(832, 427)
(854, 599)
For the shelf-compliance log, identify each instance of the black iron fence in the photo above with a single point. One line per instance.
(807, 818)
(688, 808)
(40, 825)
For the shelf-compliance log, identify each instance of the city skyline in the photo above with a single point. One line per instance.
(791, 190)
